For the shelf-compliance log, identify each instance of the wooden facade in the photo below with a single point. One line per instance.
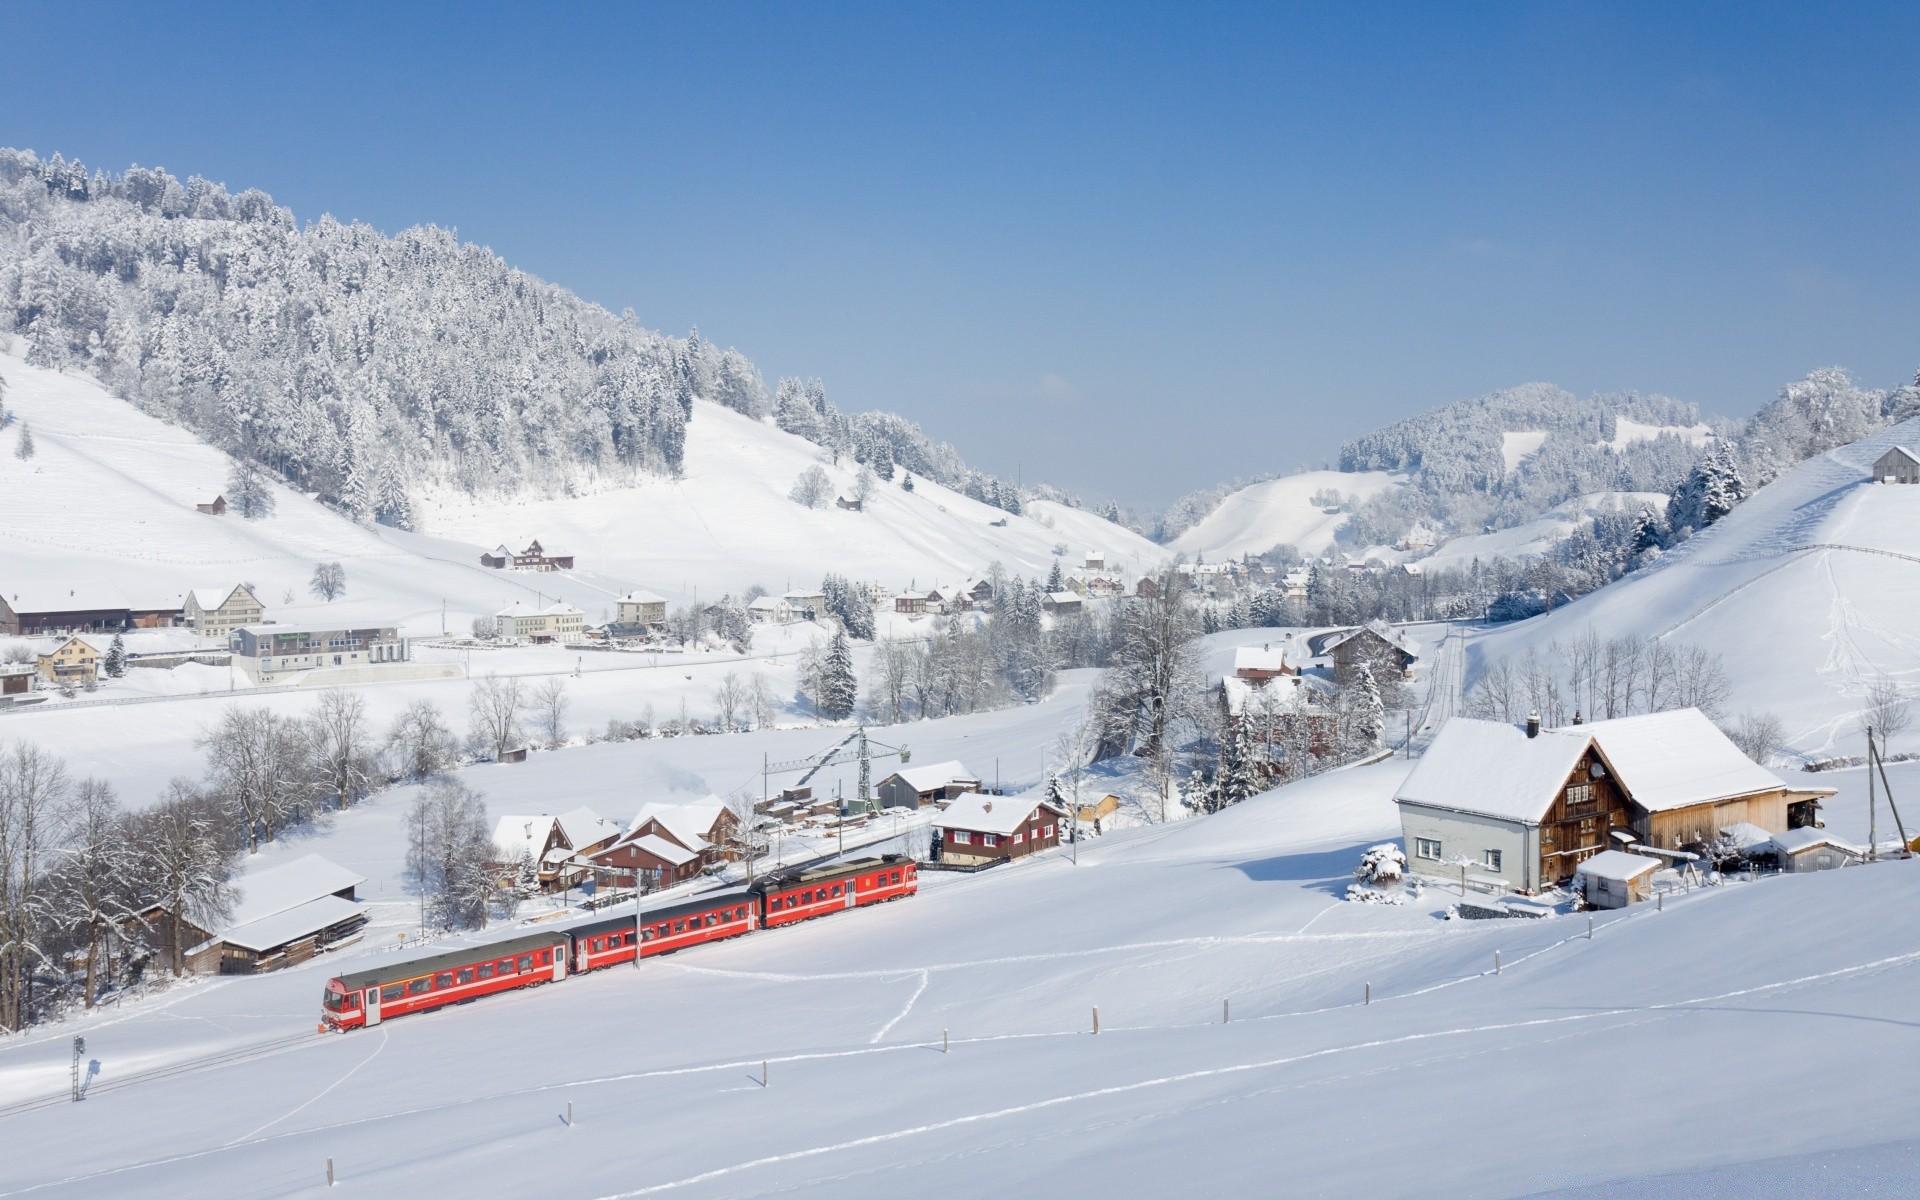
(1039, 830)
(1589, 807)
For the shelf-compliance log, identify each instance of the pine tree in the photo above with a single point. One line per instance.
(1722, 488)
(1369, 711)
(839, 690)
(24, 450)
(1054, 582)
(1239, 775)
(115, 661)
(1646, 533)
(906, 482)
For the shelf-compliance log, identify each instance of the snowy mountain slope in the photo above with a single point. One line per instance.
(1279, 512)
(1531, 539)
(729, 523)
(1627, 431)
(1806, 590)
(1516, 447)
(1304, 1091)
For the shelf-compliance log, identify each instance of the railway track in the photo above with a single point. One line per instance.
(171, 1071)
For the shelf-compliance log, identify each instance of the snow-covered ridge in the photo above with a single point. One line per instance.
(1280, 512)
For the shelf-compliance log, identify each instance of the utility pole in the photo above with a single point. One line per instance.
(1873, 848)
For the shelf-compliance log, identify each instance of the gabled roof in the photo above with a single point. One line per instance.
(1284, 694)
(1807, 837)
(1618, 865)
(642, 598)
(302, 920)
(517, 835)
(1267, 657)
(61, 595)
(585, 827)
(687, 824)
(655, 845)
(765, 604)
(934, 775)
(212, 598)
(1493, 769)
(1675, 759)
(1908, 454)
(1326, 643)
(994, 814)
(68, 641)
(277, 889)
(1064, 597)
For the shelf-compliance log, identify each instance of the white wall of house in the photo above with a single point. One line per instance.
(1469, 834)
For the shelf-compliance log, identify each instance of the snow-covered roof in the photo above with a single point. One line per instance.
(519, 834)
(1493, 769)
(1326, 643)
(1285, 694)
(211, 598)
(62, 595)
(585, 827)
(277, 889)
(662, 849)
(302, 920)
(1267, 657)
(1618, 865)
(1064, 597)
(557, 855)
(1745, 834)
(804, 596)
(991, 814)
(1671, 760)
(642, 598)
(910, 596)
(1908, 454)
(688, 824)
(935, 775)
(267, 631)
(765, 604)
(1793, 841)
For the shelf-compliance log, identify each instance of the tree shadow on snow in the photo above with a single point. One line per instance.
(1328, 871)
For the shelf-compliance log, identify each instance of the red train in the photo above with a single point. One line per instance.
(389, 990)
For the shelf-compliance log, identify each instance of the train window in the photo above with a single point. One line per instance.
(773, 905)
(416, 986)
(465, 975)
(895, 877)
(806, 897)
(679, 926)
(598, 944)
(526, 962)
(546, 958)
(393, 991)
(486, 970)
(740, 914)
(444, 980)
(836, 890)
(506, 966)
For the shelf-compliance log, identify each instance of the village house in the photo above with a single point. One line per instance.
(558, 623)
(283, 916)
(31, 608)
(640, 610)
(1898, 465)
(1258, 664)
(1062, 604)
(1281, 715)
(805, 606)
(651, 861)
(1525, 806)
(219, 611)
(534, 558)
(552, 847)
(216, 507)
(1095, 560)
(973, 594)
(1389, 652)
(706, 827)
(767, 610)
(1147, 587)
(1103, 586)
(917, 787)
(73, 661)
(910, 604)
(977, 830)
(268, 650)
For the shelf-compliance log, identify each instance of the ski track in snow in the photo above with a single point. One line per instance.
(321, 1095)
(925, 978)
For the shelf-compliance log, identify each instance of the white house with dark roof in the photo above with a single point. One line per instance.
(1528, 805)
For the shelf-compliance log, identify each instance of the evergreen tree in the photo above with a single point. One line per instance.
(1722, 488)
(24, 450)
(1647, 534)
(1369, 710)
(839, 689)
(115, 660)
(906, 482)
(1239, 774)
(1054, 582)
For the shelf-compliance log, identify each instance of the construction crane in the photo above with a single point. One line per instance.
(855, 747)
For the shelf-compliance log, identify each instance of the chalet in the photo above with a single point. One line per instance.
(1898, 465)
(767, 610)
(1102, 586)
(849, 504)
(268, 650)
(1147, 587)
(910, 604)
(1616, 878)
(1378, 644)
(1062, 604)
(72, 661)
(38, 607)
(1418, 538)
(974, 593)
(917, 787)
(1528, 805)
(936, 600)
(16, 679)
(651, 860)
(1096, 560)
(216, 507)
(1282, 715)
(805, 606)
(977, 830)
(220, 611)
(284, 916)
(1257, 664)
(706, 828)
(1293, 585)
(552, 846)
(559, 623)
(534, 558)
(640, 610)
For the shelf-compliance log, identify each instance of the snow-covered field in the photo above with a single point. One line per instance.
(1807, 591)
(1530, 539)
(1279, 512)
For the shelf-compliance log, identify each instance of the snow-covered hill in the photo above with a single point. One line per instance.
(1279, 512)
(1530, 539)
(110, 493)
(1807, 590)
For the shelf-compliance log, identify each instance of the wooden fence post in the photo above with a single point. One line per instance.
(1589, 926)
(1226, 1013)
(943, 1041)
(1496, 962)
(329, 1172)
(763, 1073)
(1368, 997)
(1096, 1018)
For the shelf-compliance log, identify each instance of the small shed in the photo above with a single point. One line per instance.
(216, 507)
(1897, 465)
(1811, 849)
(919, 786)
(1615, 879)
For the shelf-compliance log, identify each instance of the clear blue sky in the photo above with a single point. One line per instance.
(1132, 250)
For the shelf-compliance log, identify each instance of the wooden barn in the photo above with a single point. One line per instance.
(1616, 878)
(919, 786)
(1898, 465)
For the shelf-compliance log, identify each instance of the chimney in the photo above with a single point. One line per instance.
(1533, 725)
(1577, 720)
(986, 806)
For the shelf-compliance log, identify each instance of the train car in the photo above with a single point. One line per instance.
(789, 896)
(388, 990)
(664, 929)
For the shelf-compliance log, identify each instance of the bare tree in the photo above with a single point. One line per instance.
(486, 628)
(811, 489)
(494, 705)
(760, 701)
(34, 796)
(1759, 735)
(891, 667)
(1699, 680)
(188, 865)
(95, 875)
(450, 855)
(419, 742)
(728, 699)
(550, 710)
(329, 581)
(1886, 711)
(339, 747)
(252, 758)
(748, 840)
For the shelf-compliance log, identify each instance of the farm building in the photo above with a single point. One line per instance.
(1062, 603)
(1283, 714)
(216, 507)
(1389, 652)
(552, 845)
(218, 610)
(1811, 849)
(30, 607)
(655, 861)
(1898, 465)
(285, 915)
(1257, 664)
(976, 829)
(705, 827)
(1616, 878)
(16, 679)
(917, 787)
(534, 558)
(1528, 805)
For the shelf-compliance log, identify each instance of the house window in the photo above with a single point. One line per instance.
(1426, 848)
(989, 839)
(1580, 793)
(1019, 837)
(962, 838)
(1493, 860)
